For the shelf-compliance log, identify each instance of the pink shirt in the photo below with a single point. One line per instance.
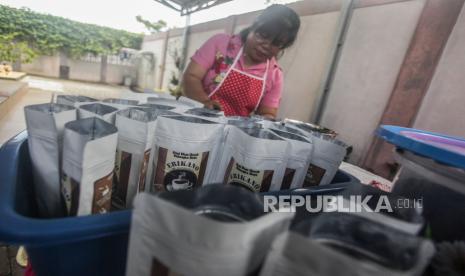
(223, 47)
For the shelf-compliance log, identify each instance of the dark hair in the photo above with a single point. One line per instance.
(276, 22)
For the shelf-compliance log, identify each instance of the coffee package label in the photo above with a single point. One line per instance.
(288, 178)
(179, 170)
(314, 176)
(143, 170)
(254, 180)
(101, 202)
(121, 179)
(70, 191)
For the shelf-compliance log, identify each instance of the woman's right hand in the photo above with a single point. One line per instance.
(211, 104)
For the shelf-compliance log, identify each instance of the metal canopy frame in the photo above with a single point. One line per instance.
(186, 7)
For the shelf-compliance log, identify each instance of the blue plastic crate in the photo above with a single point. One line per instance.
(88, 245)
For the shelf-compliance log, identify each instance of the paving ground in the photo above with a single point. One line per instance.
(41, 90)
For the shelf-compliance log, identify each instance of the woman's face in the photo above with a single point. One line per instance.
(260, 47)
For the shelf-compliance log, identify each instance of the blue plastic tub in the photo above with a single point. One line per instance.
(89, 245)
(433, 169)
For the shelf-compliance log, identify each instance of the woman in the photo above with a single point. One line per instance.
(239, 73)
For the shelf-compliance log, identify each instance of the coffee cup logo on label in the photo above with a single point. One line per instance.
(254, 180)
(179, 170)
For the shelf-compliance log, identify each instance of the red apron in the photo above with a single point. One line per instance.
(239, 93)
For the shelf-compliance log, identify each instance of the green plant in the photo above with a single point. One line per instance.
(11, 50)
(175, 85)
(48, 34)
(153, 27)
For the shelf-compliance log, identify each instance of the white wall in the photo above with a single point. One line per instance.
(116, 73)
(170, 67)
(48, 66)
(443, 108)
(304, 64)
(197, 40)
(83, 70)
(377, 40)
(156, 47)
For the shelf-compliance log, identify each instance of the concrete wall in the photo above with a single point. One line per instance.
(48, 66)
(84, 71)
(304, 64)
(116, 73)
(442, 109)
(170, 67)
(376, 43)
(156, 47)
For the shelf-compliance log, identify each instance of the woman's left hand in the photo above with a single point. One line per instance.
(267, 112)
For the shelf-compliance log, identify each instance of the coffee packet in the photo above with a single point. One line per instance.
(190, 102)
(244, 122)
(45, 124)
(207, 114)
(369, 244)
(252, 158)
(299, 156)
(296, 254)
(215, 230)
(136, 128)
(156, 106)
(395, 211)
(88, 165)
(180, 107)
(328, 154)
(98, 110)
(73, 100)
(120, 103)
(310, 128)
(186, 152)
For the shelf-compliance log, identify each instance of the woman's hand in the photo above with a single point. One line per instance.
(267, 112)
(211, 104)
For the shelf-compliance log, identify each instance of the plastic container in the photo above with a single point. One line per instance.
(89, 245)
(433, 170)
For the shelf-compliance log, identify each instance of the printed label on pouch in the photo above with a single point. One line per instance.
(314, 176)
(101, 202)
(70, 191)
(121, 177)
(288, 178)
(254, 180)
(143, 170)
(159, 269)
(179, 170)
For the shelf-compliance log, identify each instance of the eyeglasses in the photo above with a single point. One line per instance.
(262, 37)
